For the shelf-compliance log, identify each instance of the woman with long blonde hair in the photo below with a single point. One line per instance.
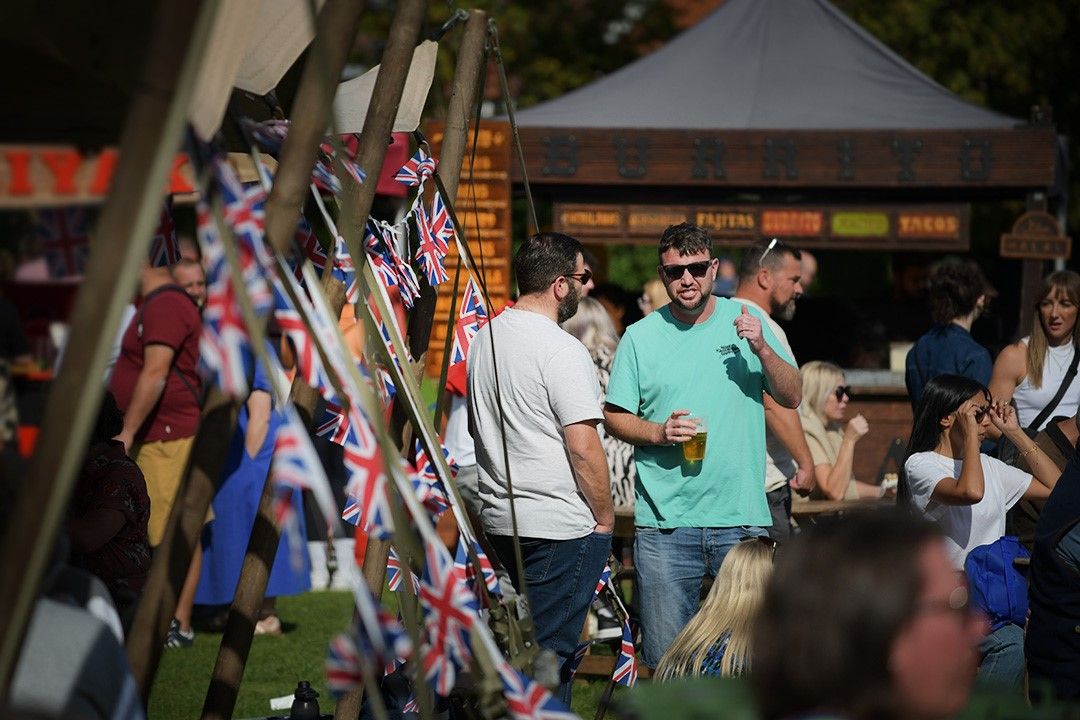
(831, 440)
(716, 641)
(1030, 371)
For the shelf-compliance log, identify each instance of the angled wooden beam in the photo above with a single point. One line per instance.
(151, 136)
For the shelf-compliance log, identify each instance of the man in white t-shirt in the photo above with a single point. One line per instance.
(535, 401)
(770, 280)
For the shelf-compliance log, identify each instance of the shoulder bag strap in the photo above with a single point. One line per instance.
(1065, 383)
(172, 368)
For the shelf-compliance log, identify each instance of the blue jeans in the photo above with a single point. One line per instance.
(670, 566)
(560, 579)
(1002, 665)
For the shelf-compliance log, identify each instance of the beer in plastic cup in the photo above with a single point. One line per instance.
(694, 449)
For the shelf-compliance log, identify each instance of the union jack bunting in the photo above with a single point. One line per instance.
(379, 635)
(224, 347)
(449, 613)
(65, 238)
(442, 226)
(605, 578)
(465, 570)
(297, 466)
(472, 315)
(165, 248)
(345, 271)
(419, 168)
(429, 487)
(410, 706)
(570, 667)
(432, 248)
(529, 700)
(309, 244)
(367, 482)
(407, 282)
(334, 425)
(625, 672)
(395, 573)
(309, 364)
(342, 665)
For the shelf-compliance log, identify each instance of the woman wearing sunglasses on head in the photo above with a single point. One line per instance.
(832, 442)
(949, 481)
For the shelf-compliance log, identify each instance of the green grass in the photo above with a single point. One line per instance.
(277, 663)
(274, 665)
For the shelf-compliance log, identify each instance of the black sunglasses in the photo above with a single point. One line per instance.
(697, 269)
(582, 277)
(842, 391)
(981, 413)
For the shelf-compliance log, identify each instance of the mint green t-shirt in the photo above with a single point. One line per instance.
(663, 365)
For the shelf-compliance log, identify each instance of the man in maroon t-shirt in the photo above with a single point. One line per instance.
(156, 385)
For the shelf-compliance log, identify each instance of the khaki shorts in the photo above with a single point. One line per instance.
(162, 463)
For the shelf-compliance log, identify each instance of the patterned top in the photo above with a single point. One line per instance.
(710, 666)
(620, 455)
(110, 479)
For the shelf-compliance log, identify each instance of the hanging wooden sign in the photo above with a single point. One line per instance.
(1036, 236)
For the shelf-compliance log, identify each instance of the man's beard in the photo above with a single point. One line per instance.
(568, 305)
(786, 311)
(690, 308)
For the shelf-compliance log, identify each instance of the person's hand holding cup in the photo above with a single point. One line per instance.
(694, 448)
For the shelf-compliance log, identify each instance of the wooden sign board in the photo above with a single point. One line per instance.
(1036, 236)
(483, 209)
(1017, 158)
(887, 227)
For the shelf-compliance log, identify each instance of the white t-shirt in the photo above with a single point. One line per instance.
(966, 527)
(457, 438)
(779, 465)
(548, 381)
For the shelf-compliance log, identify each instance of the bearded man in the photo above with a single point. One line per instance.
(713, 358)
(545, 382)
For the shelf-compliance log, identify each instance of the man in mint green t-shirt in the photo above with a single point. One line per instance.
(698, 357)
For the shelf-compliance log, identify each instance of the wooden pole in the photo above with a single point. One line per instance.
(334, 38)
(463, 94)
(455, 138)
(172, 557)
(148, 144)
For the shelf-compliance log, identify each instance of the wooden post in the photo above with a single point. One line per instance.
(463, 94)
(172, 557)
(334, 38)
(151, 136)
(455, 138)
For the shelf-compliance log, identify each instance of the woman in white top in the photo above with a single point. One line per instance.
(950, 482)
(1030, 371)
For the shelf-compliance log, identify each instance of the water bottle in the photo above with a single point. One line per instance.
(305, 702)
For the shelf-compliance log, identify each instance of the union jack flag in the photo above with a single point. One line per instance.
(224, 346)
(605, 578)
(65, 238)
(342, 665)
(429, 487)
(449, 613)
(334, 425)
(529, 700)
(625, 672)
(345, 271)
(417, 169)
(410, 706)
(570, 667)
(465, 570)
(395, 573)
(406, 277)
(308, 242)
(297, 466)
(442, 226)
(379, 635)
(472, 315)
(165, 248)
(432, 248)
(367, 483)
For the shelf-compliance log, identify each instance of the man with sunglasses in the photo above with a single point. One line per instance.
(770, 280)
(534, 404)
(715, 358)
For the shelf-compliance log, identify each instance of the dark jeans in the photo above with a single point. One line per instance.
(780, 509)
(560, 579)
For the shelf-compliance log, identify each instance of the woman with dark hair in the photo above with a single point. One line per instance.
(967, 493)
(949, 481)
(1031, 371)
(864, 617)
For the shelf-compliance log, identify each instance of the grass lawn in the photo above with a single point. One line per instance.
(277, 663)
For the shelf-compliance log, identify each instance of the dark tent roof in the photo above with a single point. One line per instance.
(767, 65)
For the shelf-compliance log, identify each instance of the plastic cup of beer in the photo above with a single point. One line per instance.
(694, 449)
